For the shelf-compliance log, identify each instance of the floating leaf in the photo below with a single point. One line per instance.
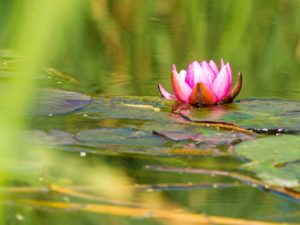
(118, 137)
(225, 138)
(126, 124)
(51, 137)
(138, 108)
(278, 149)
(228, 138)
(287, 176)
(261, 114)
(54, 101)
(275, 159)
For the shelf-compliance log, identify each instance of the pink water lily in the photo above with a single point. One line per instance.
(203, 84)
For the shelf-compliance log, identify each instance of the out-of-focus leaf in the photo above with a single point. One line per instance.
(51, 137)
(54, 101)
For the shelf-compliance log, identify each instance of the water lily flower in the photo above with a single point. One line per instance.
(203, 84)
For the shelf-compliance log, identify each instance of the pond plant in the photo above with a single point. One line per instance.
(203, 83)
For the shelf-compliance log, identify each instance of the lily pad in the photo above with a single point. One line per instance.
(177, 135)
(278, 149)
(116, 138)
(287, 175)
(225, 138)
(138, 108)
(51, 137)
(276, 160)
(55, 101)
(143, 125)
(258, 114)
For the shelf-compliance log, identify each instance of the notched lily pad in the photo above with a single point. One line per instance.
(55, 101)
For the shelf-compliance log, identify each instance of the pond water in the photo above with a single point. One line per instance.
(138, 45)
(99, 157)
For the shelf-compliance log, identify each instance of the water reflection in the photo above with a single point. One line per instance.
(134, 43)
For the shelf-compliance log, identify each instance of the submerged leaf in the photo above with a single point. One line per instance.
(178, 135)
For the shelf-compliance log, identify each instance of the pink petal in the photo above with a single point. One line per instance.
(196, 74)
(211, 75)
(190, 74)
(222, 63)
(229, 71)
(181, 89)
(165, 94)
(214, 66)
(182, 74)
(222, 84)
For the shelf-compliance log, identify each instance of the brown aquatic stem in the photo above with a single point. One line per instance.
(147, 212)
(243, 178)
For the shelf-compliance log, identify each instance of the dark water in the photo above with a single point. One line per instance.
(127, 48)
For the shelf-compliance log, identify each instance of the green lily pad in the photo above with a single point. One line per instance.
(55, 101)
(287, 175)
(227, 138)
(117, 136)
(261, 115)
(51, 137)
(276, 160)
(137, 108)
(143, 125)
(278, 149)
(119, 139)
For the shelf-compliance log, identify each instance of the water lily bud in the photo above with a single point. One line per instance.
(203, 83)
